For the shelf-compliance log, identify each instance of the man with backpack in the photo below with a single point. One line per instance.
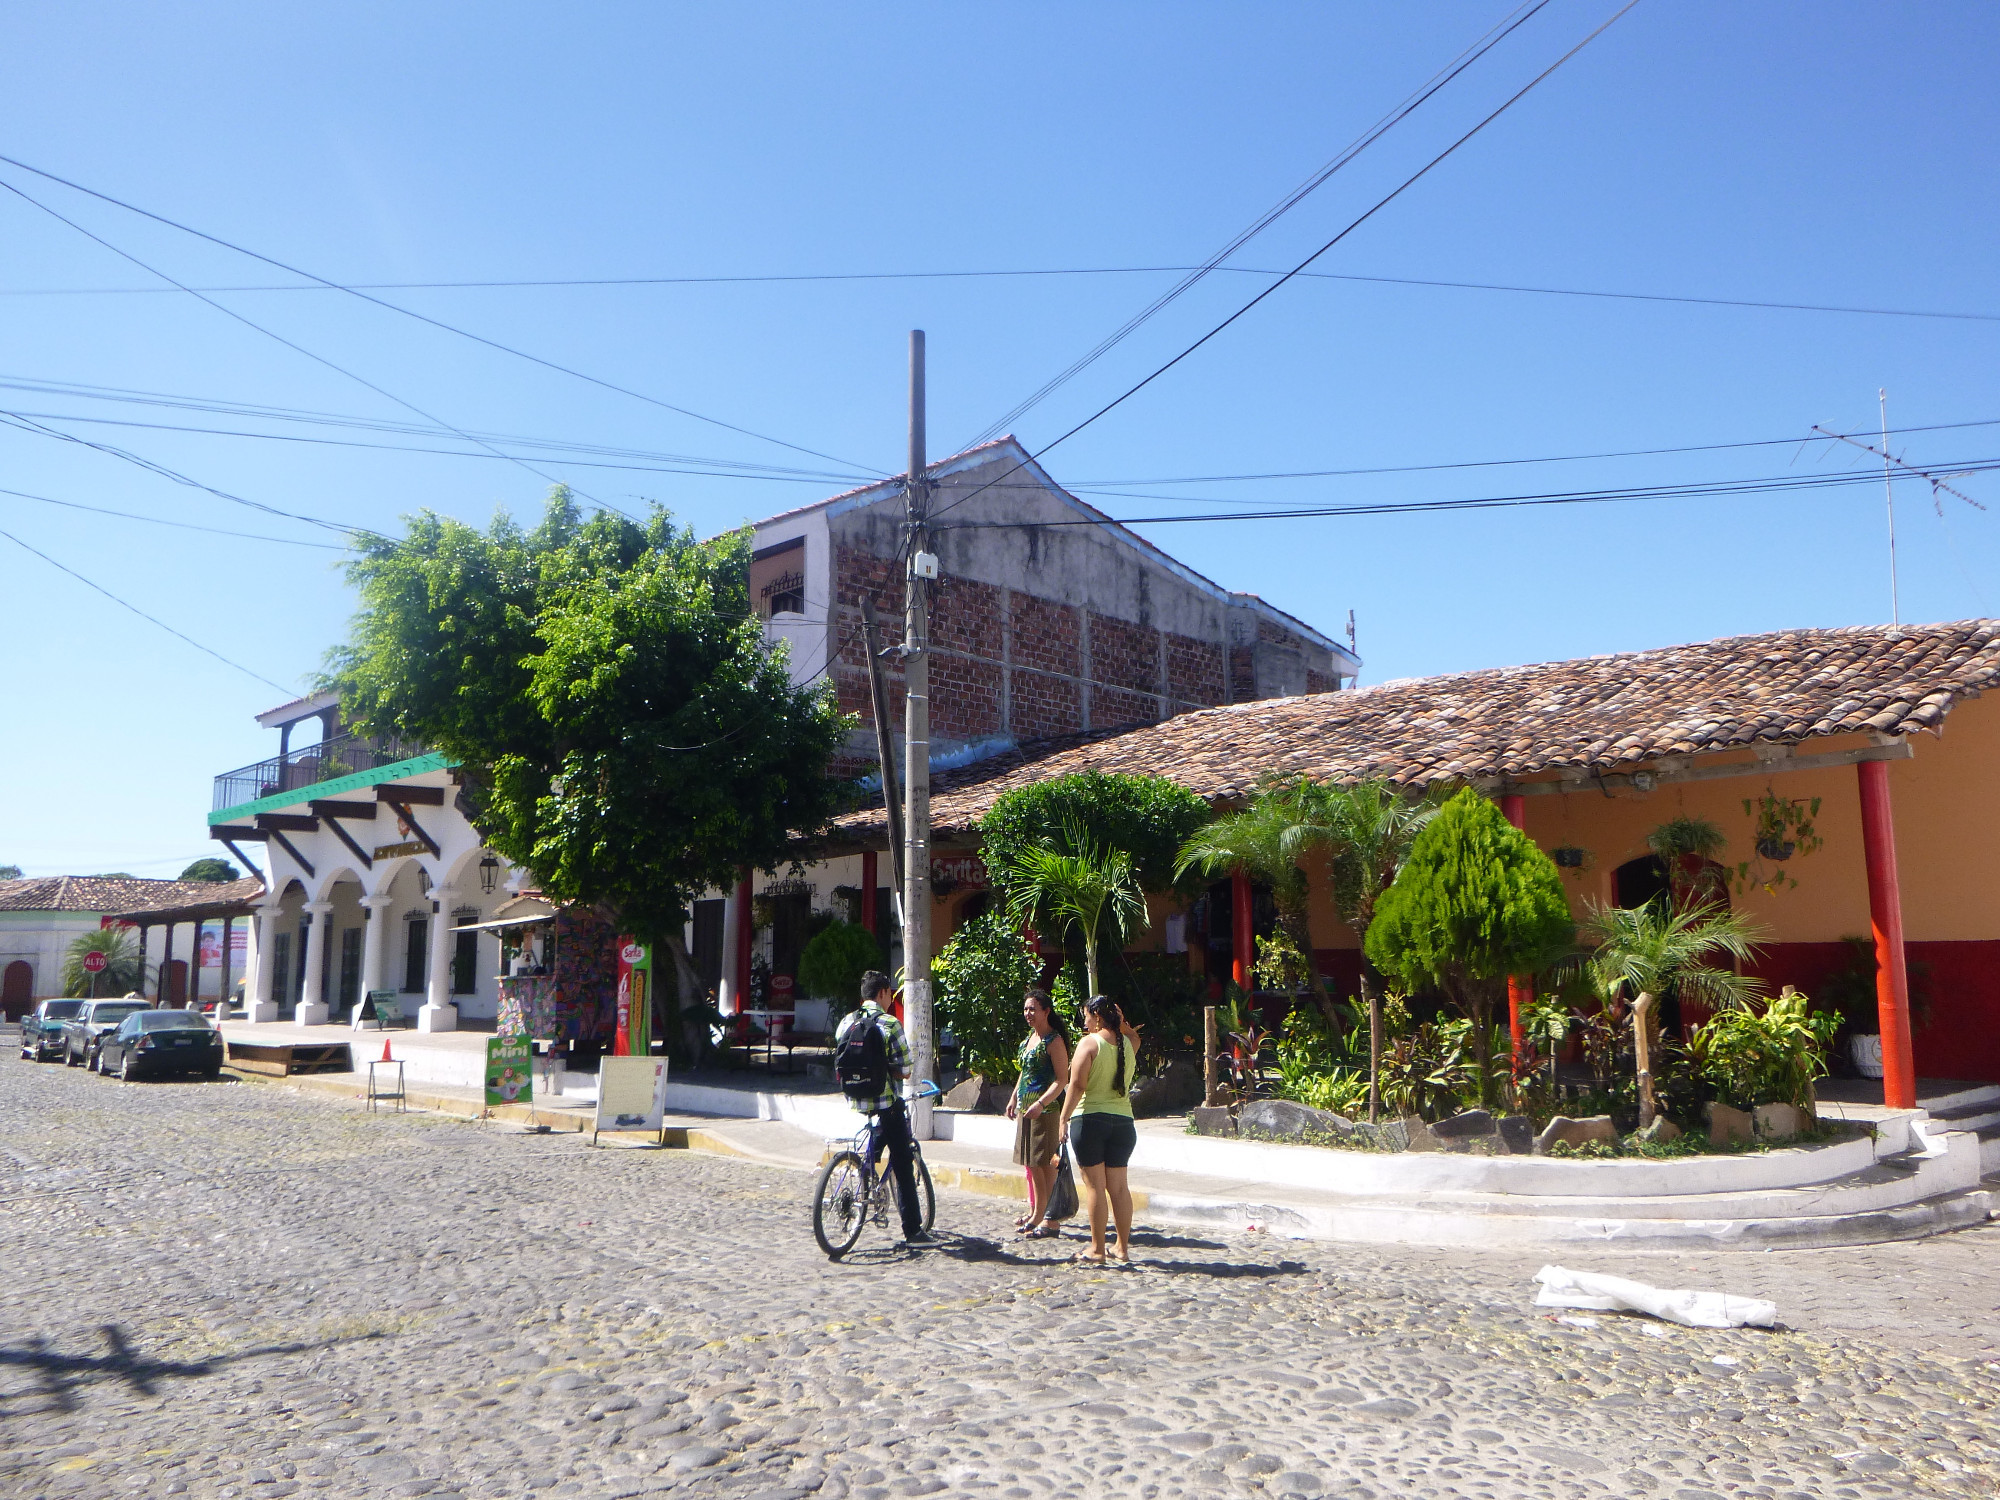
(871, 1058)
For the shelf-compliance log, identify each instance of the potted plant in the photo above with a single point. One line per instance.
(1849, 993)
(1781, 828)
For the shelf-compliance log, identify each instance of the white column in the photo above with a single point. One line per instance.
(726, 999)
(438, 1012)
(313, 1008)
(374, 944)
(261, 993)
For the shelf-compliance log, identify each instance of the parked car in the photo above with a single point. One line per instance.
(97, 1020)
(157, 1042)
(42, 1028)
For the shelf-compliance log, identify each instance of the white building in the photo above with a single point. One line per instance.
(372, 870)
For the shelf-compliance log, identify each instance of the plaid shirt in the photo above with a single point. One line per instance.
(895, 1047)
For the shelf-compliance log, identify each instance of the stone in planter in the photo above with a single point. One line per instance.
(1212, 1120)
(1517, 1135)
(1290, 1121)
(964, 1094)
(1659, 1132)
(1176, 1088)
(1776, 1122)
(1729, 1126)
(1575, 1132)
(1470, 1122)
(1417, 1136)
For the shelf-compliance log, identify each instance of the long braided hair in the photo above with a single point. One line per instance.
(1113, 1021)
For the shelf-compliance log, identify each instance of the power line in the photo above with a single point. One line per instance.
(1298, 195)
(422, 317)
(150, 619)
(1715, 489)
(1355, 224)
(126, 515)
(272, 334)
(1027, 273)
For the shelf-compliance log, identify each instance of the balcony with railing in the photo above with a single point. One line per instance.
(343, 755)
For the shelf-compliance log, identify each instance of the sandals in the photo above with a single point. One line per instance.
(1041, 1232)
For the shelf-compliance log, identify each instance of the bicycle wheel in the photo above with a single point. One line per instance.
(926, 1194)
(840, 1204)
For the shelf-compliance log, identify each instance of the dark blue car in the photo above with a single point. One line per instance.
(155, 1043)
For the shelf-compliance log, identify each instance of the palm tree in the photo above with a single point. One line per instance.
(1688, 849)
(124, 970)
(1265, 841)
(1646, 951)
(1049, 889)
(1367, 829)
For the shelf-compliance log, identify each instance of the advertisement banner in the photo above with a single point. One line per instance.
(510, 1070)
(631, 1094)
(634, 1037)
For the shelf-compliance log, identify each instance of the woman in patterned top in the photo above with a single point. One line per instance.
(1038, 1135)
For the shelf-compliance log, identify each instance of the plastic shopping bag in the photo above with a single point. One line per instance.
(1062, 1197)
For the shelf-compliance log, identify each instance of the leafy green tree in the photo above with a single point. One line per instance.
(832, 964)
(124, 970)
(212, 869)
(1064, 892)
(1367, 829)
(623, 730)
(980, 976)
(10, 872)
(1474, 902)
(1149, 817)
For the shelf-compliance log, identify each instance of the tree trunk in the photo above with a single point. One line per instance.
(687, 988)
(1372, 996)
(1642, 1051)
(1481, 1011)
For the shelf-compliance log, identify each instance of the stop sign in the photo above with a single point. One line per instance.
(95, 963)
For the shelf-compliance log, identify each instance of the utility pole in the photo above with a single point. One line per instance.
(919, 568)
(1889, 497)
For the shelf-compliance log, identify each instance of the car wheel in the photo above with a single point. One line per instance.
(124, 1068)
(70, 1059)
(95, 1061)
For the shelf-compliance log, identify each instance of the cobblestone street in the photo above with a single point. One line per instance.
(236, 1290)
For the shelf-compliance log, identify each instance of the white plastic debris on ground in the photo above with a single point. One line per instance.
(1586, 1289)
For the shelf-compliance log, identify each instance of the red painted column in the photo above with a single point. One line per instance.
(1520, 987)
(1885, 917)
(743, 921)
(868, 892)
(1240, 931)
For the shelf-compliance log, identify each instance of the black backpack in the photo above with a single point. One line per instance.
(861, 1061)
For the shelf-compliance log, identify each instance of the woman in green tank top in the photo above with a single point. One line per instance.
(1097, 1116)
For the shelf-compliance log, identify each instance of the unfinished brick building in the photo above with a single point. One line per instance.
(1055, 619)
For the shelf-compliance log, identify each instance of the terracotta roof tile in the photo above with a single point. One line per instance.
(1521, 722)
(118, 894)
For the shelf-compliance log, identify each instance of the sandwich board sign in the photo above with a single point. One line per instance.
(510, 1070)
(631, 1095)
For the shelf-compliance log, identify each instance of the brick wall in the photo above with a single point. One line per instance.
(1320, 682)
(965, 697)
(1197, 671)
(1044, 705)
(1125, 655)
(1242, 673)
(1046, 635)
(1113, 708)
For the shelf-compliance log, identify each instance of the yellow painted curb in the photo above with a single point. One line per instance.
(443, 1104)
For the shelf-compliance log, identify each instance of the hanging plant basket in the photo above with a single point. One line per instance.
(1776, 850)
(1567, 857)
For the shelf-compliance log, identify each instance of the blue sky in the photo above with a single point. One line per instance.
(1824, 153)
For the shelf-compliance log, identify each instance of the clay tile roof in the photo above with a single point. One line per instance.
(1595, 712)
(121, 895)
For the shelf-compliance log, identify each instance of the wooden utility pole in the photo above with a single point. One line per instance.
(919, 568)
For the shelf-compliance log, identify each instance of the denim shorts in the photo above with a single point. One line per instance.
(1103, 1140)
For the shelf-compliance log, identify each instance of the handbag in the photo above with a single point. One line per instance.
(1062, 1196)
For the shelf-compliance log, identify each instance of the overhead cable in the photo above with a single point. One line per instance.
(423, 317)
(1298, 195)
(1353, 225)
(150, 619)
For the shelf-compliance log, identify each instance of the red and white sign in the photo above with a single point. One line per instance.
(95, 963)
(958, 869)
(632, 953)
(781, 985)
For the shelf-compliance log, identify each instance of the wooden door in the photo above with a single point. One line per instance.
(17, 989)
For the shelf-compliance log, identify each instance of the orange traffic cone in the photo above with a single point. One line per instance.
(385, 1049)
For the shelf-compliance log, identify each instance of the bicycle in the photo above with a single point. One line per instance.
(851, 1191)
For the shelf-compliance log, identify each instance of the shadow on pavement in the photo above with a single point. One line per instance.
(60, 1376)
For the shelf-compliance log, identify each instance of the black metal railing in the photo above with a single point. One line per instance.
(343, 755)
